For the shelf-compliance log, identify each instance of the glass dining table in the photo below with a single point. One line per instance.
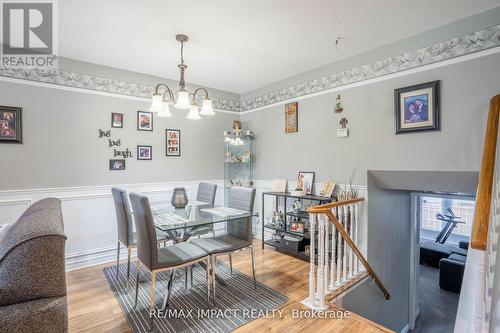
(179, 223)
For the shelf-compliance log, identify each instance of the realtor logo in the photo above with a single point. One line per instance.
(28, 34)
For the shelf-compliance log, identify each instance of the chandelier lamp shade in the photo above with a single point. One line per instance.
(163, 96)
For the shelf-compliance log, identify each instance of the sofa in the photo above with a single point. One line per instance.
(32, 271)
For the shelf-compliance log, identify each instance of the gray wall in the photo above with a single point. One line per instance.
(466, 88)
(61, 145)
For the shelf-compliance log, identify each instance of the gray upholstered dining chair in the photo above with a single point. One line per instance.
(161, 259)
(126, 234)
(239, 232)
(206, 193)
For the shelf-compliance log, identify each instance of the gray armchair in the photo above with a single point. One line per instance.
(239, 233)
(32, 272)
(157, 259)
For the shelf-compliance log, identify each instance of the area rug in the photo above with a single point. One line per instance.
(237, 302)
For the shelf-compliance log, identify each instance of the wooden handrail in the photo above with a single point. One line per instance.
(326, 207)
(355, 249)
(479, 235)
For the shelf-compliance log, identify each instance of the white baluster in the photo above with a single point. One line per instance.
(355, 235)
(312, 225)
(327, 244)
(332, 258)
(344, 246)
(321, 257)
(351, 231)
(339, 249)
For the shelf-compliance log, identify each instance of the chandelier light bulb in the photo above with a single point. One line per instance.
(183, 100)
(156, 103)
(206, 108)
(165, 112)
(193, 113)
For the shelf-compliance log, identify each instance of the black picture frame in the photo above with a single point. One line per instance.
(169, 145)
(113, 118)
(312, 184)
(408, 121)
(11, 121)
(113, 167)
(140, 158)
(142, 128)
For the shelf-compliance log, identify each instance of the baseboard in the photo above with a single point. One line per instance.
(405, 329)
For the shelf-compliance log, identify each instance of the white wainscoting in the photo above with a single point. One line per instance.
(89, 215)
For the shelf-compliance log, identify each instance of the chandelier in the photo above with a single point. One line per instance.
(163, 95)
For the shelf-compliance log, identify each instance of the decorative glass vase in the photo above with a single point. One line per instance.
(179, 198)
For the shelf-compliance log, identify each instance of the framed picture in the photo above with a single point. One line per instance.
(327, 190)
(297, 226)
(417, 108)
(173, 138)
(144, 121)
(291, 117)
(117, 120)
(10, 125)
(144, 152)
(307, 180)
(116, 165)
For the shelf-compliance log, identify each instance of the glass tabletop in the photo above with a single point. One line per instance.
(167, 218)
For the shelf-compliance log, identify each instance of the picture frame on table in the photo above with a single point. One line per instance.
(11, 124)
(144, 153)
(417, 108)
(297, 226)
(115, 165)
(307, 179)
(173, 142)
(116, 120)
(144, 121)
(291, 117)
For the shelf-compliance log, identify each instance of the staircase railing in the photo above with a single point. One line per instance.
(479, 235)
(479, 305)
(338, 256)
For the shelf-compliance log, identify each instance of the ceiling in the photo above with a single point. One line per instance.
(242, 45)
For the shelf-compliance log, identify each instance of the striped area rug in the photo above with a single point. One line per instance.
(237, 302)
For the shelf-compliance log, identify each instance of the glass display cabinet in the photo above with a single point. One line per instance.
(238, 160)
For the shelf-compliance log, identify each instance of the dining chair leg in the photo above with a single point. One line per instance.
(213, 276)
(253, 267)
(231, 263)
(208, 281)
(137, 265)
(191, 273)
(152, 293)
(118, 259)
(185, 277)
(129, 254)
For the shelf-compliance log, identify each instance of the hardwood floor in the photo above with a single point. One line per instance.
(92, 307)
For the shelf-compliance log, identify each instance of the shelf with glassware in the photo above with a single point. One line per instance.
(238, 159)
(288, 222)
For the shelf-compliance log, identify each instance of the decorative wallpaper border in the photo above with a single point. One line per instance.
(84, 81)
(460, 46)
(457, 47)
